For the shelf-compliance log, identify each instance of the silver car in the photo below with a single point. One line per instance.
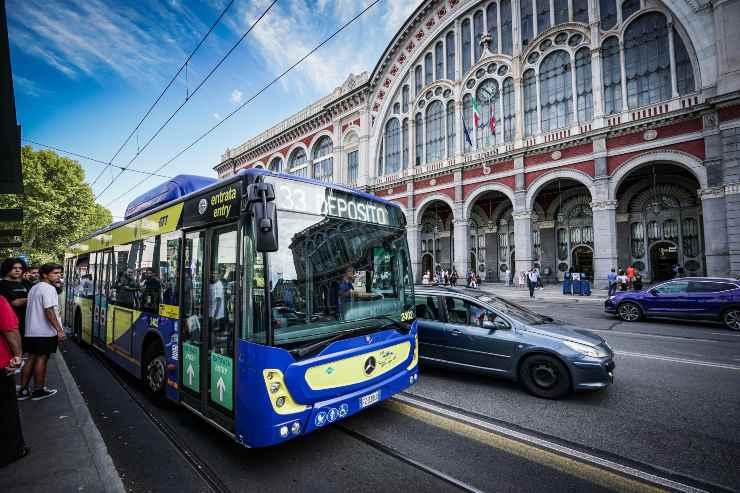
(469, 330)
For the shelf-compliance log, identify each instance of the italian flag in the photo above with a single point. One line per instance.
(492, 120)
(476, 114)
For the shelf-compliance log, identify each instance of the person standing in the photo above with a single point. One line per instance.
(453, 278)
(630, 276)
(44, 331)
(533, 278)
(11, 435)
(611, 279)
(15, 289)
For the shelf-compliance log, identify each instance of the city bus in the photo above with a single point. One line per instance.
(270, 305)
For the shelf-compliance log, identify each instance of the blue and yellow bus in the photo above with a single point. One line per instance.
(270, 305)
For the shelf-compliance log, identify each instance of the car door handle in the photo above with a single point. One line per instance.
(455, 332)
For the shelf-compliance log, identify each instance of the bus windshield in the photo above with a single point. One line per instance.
(333, 274)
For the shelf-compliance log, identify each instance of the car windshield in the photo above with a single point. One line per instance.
(517, 312)
(332, 274)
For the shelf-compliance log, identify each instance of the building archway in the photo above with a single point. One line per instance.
(490, 232)
(436, 237)
(663, 256)
(582, 261)
(427, 264)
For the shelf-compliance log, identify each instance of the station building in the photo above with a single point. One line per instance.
(617, 136)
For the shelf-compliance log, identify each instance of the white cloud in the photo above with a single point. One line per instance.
(236, 96)
(217, 116)
(28, 87)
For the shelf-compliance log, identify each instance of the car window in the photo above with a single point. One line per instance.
(709, 286)
(457, 311)
(478, 315)
(427, 308)
(673, 287)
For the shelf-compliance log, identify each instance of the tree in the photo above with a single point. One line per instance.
(58, 206)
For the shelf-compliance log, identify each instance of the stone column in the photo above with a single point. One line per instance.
(605, 240)
(522, 231)
(597, 86)
(716, 232)
(366, 158)
(461, 246)
(413, 234)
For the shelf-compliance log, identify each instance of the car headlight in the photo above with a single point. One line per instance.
(586, 350)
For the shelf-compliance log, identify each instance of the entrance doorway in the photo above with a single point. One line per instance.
(663, 256)
(583, 261)
(426, 264)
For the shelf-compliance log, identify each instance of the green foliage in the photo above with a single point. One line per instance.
(58, 206)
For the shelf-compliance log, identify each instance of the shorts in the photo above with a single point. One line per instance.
(40, 345)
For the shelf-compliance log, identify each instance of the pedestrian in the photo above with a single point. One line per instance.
(11, 435)
(540, 284)
(622, 280)
(426, 278)
(533, 278)
(477, 280)
(611, 279)
(15, 289)
(520, 276)
(31, 276)
(630, 276)
(44, 331)
(453, 278)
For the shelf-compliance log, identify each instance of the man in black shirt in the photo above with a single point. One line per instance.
(15, 289)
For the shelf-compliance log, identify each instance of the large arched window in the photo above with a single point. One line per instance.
(418, 83)
(435, 132)
(477, 33)
(468, 121)
(466, 46)
(556, 91)
(608, 14)
(323, 162)
(527, 21)
(583, 85)
(419, 129)
(543, 15)
(580, 11)
(684, 70)
(428, 69)
(405, 143)
(647, 60)
(351, 143)
(492, 25)
(405, 98)
(439, 61)
(509, 109)
(297, 163)
(450, 129)
(450, 46)
(276, 165)
(529, 86)
(487, 97)
(392, 146)
(506, 36)
(561, 11)
(612, 75)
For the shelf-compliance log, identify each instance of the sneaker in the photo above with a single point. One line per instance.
(40, 394)
(23, 394)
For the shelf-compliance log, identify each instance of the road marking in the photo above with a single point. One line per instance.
(678, 360)
(725, 334)
(658, 336)
(586, 466)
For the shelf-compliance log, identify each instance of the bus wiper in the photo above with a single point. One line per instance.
(317, 347)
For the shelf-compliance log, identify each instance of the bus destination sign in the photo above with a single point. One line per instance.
(218, 205)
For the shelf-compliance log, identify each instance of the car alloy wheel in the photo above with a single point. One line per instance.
(629, 312)
(155, 372)
(544, 375)
(732, 319)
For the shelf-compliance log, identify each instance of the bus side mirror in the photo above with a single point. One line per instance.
(261, 197)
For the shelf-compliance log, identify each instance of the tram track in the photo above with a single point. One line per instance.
(199, 466)
(612, 463)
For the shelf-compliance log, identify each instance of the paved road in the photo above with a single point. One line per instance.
(673, 409)
(675, 403)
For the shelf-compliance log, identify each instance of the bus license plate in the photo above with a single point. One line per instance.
(366, 400)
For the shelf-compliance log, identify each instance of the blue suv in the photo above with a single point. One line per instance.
(706, 298)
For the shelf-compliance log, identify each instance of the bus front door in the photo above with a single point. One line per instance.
(102, 291)
(208, 323)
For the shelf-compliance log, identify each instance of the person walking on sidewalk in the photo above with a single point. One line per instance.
(15, 289)
(43, 332)
(533, 278)
(12, 445)
(611, 279)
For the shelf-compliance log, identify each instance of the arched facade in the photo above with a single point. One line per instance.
(532, 123)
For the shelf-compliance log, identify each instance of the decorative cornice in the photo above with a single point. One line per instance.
(603, 205)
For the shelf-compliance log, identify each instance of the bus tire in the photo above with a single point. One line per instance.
(155, 372)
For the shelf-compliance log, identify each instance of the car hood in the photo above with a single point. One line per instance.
(566, 332)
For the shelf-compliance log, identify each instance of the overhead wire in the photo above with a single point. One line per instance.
(251, 98)
(197, 88)
(92, 159)
(169, 84)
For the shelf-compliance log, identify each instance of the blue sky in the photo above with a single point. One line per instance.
(86, 71)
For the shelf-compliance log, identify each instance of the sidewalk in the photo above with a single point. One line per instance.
(67, 451)
(551, 292)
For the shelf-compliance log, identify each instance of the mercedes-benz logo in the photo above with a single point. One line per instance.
(369, 365)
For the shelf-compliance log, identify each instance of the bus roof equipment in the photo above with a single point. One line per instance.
(174, 188)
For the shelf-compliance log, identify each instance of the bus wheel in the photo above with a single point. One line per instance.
(155, 372)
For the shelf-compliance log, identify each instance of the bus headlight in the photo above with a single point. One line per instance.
(295, 428)
(284, 431)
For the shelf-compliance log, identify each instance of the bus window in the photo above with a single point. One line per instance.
(253, 310)
(221, 292)
(192, 283)
(148, 283)
(82, 281)
(124, 286)
(168, 268)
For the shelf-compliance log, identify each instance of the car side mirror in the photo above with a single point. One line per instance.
(495, 325)
(653, 292)
(487, 324)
